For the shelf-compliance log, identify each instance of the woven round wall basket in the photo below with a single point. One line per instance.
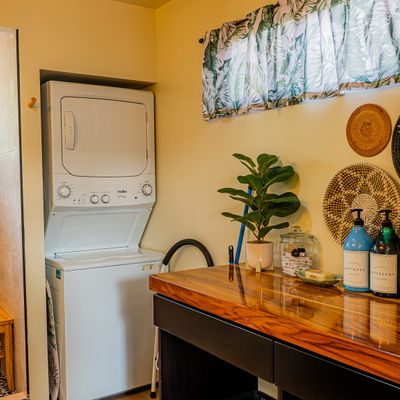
(359, 186)
(369, 129)
(396, 147)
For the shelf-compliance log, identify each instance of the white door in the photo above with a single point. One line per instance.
(103, 138)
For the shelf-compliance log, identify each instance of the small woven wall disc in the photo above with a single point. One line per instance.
(360, 186)
(369, 129)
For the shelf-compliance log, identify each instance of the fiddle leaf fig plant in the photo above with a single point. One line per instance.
(263, 205)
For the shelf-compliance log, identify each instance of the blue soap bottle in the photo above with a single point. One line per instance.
(356, 256)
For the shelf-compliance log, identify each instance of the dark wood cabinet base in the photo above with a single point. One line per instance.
(189, 373)
(208, 358)
(314, 378)
(282, 395)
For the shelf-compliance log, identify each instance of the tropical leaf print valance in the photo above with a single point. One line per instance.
(299, 50)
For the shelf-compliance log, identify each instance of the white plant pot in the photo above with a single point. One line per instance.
(260, 256)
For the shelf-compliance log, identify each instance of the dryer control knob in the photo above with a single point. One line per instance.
(105, 198)
(94, 199)
(147, 189)
(64, 191)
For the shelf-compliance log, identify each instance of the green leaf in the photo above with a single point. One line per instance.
(279, 226)
(284, 205)
(255, 182)
(265, 161)
(265, 230)
(242, 157)
(230, 215)
(254, 216)
(277, 174)
(249, 202)
(240, 195)
(270, 197)
(240, 219)
(246, 161)
(283, 198)
(236, 192)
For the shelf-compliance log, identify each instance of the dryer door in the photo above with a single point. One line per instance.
(103, 138)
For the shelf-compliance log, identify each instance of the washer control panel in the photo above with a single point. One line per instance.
(78, 192)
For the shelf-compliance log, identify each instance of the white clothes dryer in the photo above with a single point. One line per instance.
(99, 173)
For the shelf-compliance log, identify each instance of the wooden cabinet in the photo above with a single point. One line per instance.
(6, 348)
(218, 334)
(206, 357)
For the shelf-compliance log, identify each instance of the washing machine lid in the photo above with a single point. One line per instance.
(103, 259)
(80, 231)
(103, 137)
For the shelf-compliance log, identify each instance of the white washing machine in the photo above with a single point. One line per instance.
(99, 187)
(103, 313)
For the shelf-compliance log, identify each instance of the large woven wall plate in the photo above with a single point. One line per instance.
(359, 186)
(369, 129)
(396, 147)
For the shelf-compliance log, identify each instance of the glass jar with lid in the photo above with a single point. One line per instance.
(297, 251)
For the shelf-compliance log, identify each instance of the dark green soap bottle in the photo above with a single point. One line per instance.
(385, 261)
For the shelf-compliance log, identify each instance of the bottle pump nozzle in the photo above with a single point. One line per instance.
(358, 221)
(387, 221)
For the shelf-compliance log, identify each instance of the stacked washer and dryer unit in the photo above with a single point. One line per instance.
(99, 184)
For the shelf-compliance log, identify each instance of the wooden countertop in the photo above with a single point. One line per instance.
(359, 330)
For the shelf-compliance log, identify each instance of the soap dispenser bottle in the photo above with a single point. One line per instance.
(356, 256)
(385, 261)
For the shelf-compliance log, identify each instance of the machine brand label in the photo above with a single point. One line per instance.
(122, 194)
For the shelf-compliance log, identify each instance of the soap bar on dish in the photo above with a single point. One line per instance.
(317, 275)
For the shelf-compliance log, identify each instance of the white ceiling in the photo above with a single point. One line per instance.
(146, 3)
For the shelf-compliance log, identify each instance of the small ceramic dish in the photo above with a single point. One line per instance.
(329, 282)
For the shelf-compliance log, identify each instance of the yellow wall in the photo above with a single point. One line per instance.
(194, 157)
(103, 37)
(99, 37)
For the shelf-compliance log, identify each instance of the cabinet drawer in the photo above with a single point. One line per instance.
(236, 345)
(313, 378)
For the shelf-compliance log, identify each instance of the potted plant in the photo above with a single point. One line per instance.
(262, 205)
